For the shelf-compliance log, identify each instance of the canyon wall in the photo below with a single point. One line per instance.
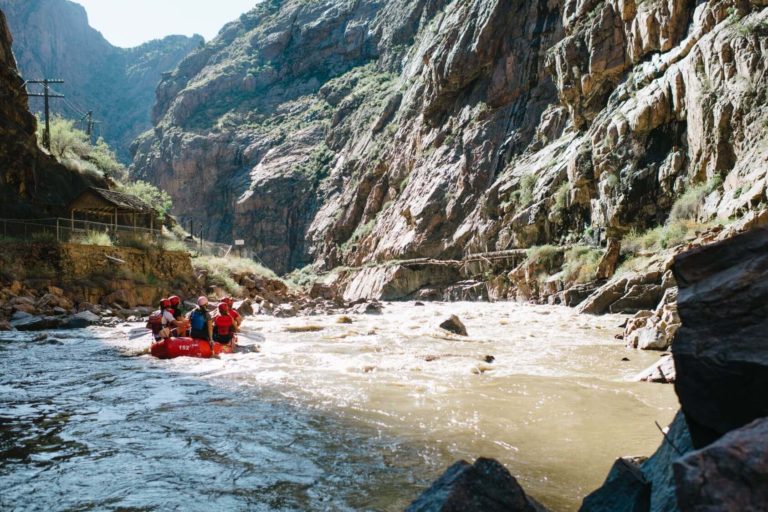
(54, 40)
(346, 133)
(31, 183)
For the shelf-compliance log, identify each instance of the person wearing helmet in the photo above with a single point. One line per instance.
(162, 321)
(176, 305)
(232, 311)
(200, 321)
(224, 327)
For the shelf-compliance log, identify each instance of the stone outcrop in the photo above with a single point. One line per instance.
(483, 486)
(400, 281)
(730, 474)
(422, 129)
(721, 350)
(626, 294)
(31, 183)
(654, 330)
(54, 40)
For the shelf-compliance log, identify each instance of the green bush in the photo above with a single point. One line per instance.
(561, 197)
(581, 264)
(175, 245)
(94, 238)
(687, 206)
(302, 277)
(545, 255)
(74, 150)
(158, 199)
(232, 266)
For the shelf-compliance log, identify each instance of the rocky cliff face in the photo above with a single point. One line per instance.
(343, 133)
(53, 40)
(31, 183)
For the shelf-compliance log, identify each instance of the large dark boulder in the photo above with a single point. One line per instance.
(37, 323)
(728, 475)
(625, 490)
(721, 350)
(648, 486)
(485, 486)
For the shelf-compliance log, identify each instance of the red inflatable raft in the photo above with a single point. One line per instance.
(188, 347)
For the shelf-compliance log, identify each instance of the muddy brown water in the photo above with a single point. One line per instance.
(359, 416)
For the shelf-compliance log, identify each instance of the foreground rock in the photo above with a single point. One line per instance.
(637, 485)
(728, 475)
(485, 486)
(721, 350)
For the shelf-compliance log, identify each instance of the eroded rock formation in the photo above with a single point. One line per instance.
(348, 133)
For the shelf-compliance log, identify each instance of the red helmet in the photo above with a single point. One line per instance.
(175, 300)
(223, 307)
(228, 300)
(165, 303)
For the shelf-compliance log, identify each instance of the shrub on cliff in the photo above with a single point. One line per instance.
(581, 264)
(74, 150)
(223, 271)
(158, 199)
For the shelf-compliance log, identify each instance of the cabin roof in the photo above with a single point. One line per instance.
(101, 199)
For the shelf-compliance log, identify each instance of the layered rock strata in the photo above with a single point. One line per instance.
(348, 133)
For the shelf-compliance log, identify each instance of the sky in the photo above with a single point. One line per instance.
(129, 23)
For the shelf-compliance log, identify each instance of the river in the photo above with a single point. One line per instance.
(359, 416)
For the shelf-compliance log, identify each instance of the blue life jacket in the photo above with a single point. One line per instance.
(198, 320)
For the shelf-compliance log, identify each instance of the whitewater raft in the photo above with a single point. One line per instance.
(172, 348)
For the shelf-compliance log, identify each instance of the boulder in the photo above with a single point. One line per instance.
(37, 323)
(485, 486)
(50, 301)
(577, 294)
(721, 350)
(284, 310)
(662, 371)
(5, 325)
(454, 325)
(368, 308)
(658, 471)
(627, 293)
(654, 330)
(82, 320)
(20, 315)
(610, 260)
(468, 291)
(729, 475)
(637, 297)
(640, 485)
(245, 307)
(625, 489)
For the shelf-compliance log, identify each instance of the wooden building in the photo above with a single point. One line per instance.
(114, 208)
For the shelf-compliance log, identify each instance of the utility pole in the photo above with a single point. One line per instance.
(89, 126)
(46, 95)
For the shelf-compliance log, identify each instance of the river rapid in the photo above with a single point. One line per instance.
(359, 416)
